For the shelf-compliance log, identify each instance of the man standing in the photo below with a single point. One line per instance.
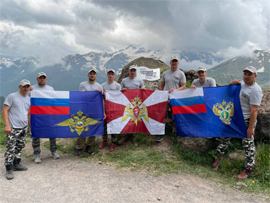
(172, 80)
(131, 82)
(109, 85)
(42, 86)
(16, 116)
(202, 80)
(250, 98)
(90, 85)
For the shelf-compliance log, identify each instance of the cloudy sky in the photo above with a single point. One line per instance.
(52, 29)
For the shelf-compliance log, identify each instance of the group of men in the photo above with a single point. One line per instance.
(16, 113)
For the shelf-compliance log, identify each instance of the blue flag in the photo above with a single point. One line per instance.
(64, 114)
(209, 112)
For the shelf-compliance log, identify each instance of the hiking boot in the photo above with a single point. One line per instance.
(124, 139)
(9, 172)
(17, 166)
(244, 174)
(79, 152)
(159, 138)
(217, 162)
(112, 147)
(55, 155)
(37, 159)
(103, 144)
(89, 150)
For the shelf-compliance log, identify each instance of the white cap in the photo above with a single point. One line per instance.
(133, 67)
(92, 70)
(174, 58)
(24, 82)
(201, 69)
(251, 69)
(41, 74)
(111, 70)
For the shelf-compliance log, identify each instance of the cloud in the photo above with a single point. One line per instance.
(52, 29)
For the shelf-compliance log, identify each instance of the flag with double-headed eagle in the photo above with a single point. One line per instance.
(66, 114)
(136, 110)
(208, 112)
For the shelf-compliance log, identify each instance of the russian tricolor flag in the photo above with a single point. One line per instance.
(66, 114)
(194, 115)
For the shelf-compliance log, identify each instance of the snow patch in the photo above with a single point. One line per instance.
(234, 59)
(261, 70)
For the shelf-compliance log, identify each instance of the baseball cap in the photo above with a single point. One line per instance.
(111, 70)
(41, 74)
(133, 67)
(24, 82)
(92, 70)
(201, 69)
(174, 58)
(251, 69)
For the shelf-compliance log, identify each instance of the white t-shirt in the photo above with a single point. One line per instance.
(45, 88)
(19, 107)
(87, 86)
(250, 95)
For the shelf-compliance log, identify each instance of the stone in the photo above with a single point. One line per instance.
(196, 144)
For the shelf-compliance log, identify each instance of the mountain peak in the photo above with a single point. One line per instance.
(131, 47)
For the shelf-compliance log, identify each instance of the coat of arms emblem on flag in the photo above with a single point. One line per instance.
(132, 111)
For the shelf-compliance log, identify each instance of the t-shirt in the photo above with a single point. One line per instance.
(45, 88)
(87, 86)
(111, 86)
(209, 82)
(173, 79)
(250, 95)
(19, 107)
(132, 83)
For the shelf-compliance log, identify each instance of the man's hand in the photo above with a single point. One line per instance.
(7, 129)
(234, 82)
(193, 86)
(250, 132)
(143, 88)
(124, 89)
(98, 90)
(171, 90)
(104, 92)
(104, 116)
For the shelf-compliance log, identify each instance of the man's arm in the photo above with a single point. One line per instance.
(252, 120)
(29, 122)
(162, 85)
(5, 118)
(234, 82)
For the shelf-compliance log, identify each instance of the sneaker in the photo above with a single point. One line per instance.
(244, 174)
(55, 155)
(89, 150)
(217, 162)
(37, 159)
(9, 172)
(159, 138)
(103, 144)
(112, 147)
(79, 152)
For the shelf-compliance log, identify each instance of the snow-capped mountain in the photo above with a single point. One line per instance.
(73, 69)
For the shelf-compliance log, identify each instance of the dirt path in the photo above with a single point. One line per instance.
(72, 180)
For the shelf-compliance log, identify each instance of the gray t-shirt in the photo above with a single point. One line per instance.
(209, 82)
(250, 95)
(19, 107)
(111, 86)
(132, 83)
(87, 86)
(173, 79)
(45, 88)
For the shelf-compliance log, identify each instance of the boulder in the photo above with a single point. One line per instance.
(262, 132)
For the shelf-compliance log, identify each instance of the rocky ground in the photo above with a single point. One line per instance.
(70, 179)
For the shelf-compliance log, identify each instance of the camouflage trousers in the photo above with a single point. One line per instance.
(105, 135)
(248, 145)
(36, 145)
(14, 144)
(81, 142)
(170, 125)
